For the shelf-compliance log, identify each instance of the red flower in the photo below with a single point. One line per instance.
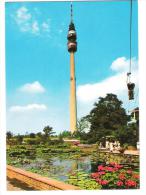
(110, 169)
(119, 183)
(101, 173)
(118, 166)
(129, 171)
(100, 168)
(131, 183)
(98, 180)
(135, 176)
(94, 175)
(112, 163)
(103, 182)
(115, 169)
(121, 176)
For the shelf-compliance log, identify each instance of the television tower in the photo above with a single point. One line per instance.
(72, 48)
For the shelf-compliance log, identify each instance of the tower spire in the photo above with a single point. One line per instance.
(71, 11)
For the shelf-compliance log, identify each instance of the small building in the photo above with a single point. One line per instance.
(134, 116)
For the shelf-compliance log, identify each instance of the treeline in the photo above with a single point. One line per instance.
(44, 137)
(107, 119)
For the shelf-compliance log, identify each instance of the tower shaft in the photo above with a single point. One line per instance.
(72, 48)
(73, 102)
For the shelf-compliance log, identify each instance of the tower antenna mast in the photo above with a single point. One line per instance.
(71, 11)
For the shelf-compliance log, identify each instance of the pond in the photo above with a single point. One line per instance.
(77, 166)
(60, 167)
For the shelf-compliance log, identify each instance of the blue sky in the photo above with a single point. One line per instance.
(37, 61)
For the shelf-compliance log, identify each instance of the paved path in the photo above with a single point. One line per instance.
(12, 187)
(15, 185)
(132, 152)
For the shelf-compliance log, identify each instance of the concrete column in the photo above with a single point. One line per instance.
(73, 103)
(134, 116)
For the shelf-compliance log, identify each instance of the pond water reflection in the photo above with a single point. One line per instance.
(59, 168)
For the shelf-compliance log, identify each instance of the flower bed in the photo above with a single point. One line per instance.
(114, 176)
(83, 180)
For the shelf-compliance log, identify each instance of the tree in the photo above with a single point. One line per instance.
(9, 135)
(32, 135)
(19, 139)
(83, 125)
(39, 137)
(107, 117)
(48, 131)
(39, 134)
(128, 135)
(66, 134)
(60, 138)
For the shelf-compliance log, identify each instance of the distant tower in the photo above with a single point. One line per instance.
(72, 48)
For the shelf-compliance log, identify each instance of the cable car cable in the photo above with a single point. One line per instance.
(130, 85)
(130, 45)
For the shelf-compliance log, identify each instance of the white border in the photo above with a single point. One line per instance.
(142, 95)
(2, 98)
(142, 70)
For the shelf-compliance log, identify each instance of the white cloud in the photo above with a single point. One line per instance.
(34, 87)
(90, 92)
(23, 15)
(122, 64)
(22, 18)
(46, 26)
(28, 21)
(35, 27)
(27, 108)
(34, 117)
(87, 94)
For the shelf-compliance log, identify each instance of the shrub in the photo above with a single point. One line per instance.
(19, 152)
(114, 176)
(83, 181)
(31, 141)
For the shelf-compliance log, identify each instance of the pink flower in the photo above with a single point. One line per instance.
(129, 171)
(100, 168)
(101, 173)
(98, 180)
(110, 169)
(118, 166)
(119, 183)
(104, 182)
(121, 176)
(113, 163)
(94, 175)
(115, 169)
(131, 183)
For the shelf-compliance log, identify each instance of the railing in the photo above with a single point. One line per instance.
(37, 182)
